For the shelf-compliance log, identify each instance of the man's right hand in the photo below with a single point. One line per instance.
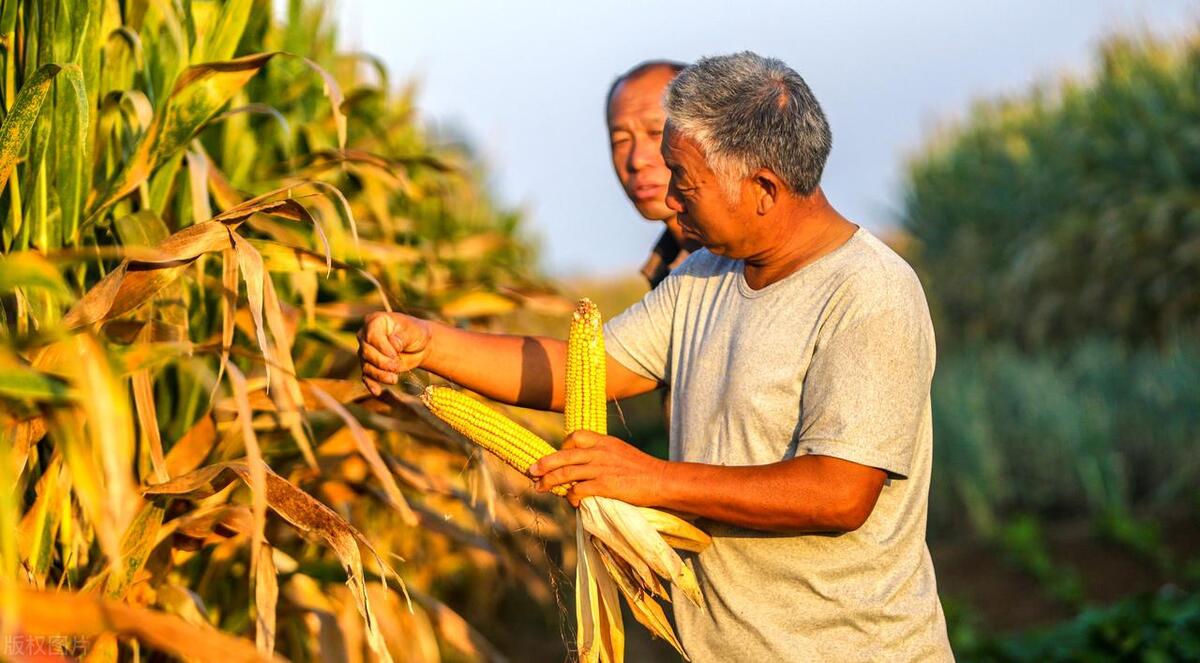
(388, 345)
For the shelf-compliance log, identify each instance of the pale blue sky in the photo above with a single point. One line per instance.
(525, 82)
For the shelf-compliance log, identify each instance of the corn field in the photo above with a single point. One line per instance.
(198, 204)
(1070, 210)
(1092, 432)
(1057, 234)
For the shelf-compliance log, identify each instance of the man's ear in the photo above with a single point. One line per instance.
(767, 189)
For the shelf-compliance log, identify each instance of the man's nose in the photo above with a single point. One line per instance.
(673, 200)
(642, 155)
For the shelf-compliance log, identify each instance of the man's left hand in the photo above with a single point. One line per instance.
(601, 465)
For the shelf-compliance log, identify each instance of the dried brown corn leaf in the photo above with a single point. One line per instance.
(477, 305)
(57, 613)
(304, 513)
(189, 451)
(266, 596)
(644, 608)
(456, 631)
(366, 446)
(256, 468)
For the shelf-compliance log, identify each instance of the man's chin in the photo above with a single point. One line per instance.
(654, 211)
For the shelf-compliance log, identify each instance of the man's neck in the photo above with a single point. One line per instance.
(799, 237)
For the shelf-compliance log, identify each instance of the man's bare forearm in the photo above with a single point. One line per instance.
(519, 370)
(804, 494)
(529, 371)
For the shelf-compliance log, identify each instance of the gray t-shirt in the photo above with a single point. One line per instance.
(835, 359)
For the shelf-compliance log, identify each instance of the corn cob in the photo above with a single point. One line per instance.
(585, 407)
(511, 442)
(620, 548)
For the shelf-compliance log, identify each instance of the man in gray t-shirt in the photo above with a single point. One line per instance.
(800, 353)
(834, 359)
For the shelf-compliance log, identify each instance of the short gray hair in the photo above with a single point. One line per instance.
(748, 112)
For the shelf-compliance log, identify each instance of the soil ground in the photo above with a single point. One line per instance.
(1005, 598)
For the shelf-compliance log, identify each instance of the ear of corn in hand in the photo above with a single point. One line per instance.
(620, 548)
(489, 429)
(585, 406)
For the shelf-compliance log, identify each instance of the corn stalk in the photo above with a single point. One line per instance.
(198, 204)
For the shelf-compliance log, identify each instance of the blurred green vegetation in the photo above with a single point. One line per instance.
(1086, 431)
(1070, 211)
(1057, 233)
(1159, 627)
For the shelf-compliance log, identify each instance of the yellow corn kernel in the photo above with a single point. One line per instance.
(511, 442)
(585, 407)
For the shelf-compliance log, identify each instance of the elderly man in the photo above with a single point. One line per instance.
(635, 118)
(800, 351)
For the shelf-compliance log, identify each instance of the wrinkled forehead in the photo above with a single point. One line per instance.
(676, 144)
(683, 154)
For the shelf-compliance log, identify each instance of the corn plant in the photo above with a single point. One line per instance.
(1068, 211)
(1057, 233)
(198, 204)
(1096, 431)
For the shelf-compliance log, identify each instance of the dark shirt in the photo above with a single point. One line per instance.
(666, 255)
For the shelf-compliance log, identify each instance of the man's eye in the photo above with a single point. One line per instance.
(656, 133)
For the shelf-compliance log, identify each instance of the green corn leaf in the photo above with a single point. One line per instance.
(14, 133)
(8, 19)
(136, 545)
(31, 271)
(73, 151)
(227, 30)
(23, 383)
(40, 527)
(144, 228)
(198, 94)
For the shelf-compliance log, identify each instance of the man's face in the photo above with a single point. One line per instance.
(635, 126)
(695, 195)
